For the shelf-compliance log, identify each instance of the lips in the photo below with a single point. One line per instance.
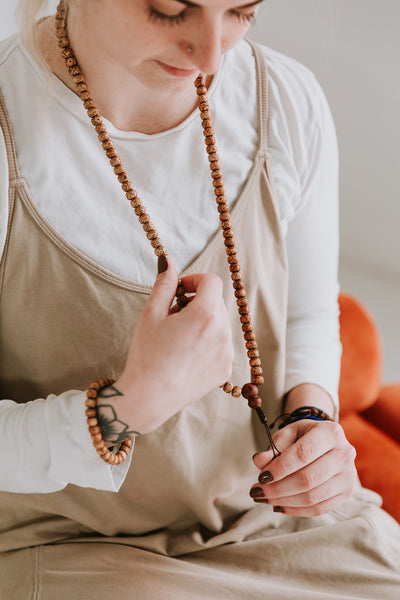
(176, 72)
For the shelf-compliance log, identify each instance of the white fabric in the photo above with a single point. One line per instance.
(170, 171)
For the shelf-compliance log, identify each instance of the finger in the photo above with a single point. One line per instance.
(312, 511)
(332, 487)
(308, 478)
(282, 439)
(176, 308)
(206, 286)
(315, 442)
(163, 293)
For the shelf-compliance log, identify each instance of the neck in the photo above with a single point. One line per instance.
(119, 96)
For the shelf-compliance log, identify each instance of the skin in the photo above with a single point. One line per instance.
(120, 46)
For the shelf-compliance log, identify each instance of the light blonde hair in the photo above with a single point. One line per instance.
(27, 14)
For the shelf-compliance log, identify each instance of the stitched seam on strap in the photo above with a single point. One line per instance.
(9, 141)
(263, 96)
(11, 202)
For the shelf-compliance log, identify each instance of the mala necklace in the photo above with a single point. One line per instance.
(249, 390)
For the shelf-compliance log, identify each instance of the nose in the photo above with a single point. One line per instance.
(206, 48)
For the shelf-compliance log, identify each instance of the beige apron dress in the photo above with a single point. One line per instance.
(183, 524)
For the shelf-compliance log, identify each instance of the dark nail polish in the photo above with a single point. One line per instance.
(261, 500)
(162, 263)
(265, 477)
(278, 509)
(257, 492)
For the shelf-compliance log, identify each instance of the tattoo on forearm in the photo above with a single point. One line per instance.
(113, 430)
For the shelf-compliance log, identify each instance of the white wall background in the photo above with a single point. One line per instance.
(353, 47)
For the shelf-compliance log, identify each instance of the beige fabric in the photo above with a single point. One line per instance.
(64, 322)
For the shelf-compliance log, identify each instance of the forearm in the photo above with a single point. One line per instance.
(309, 394)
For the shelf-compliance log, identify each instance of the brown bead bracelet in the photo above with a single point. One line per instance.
(304, 412)
(94, 429)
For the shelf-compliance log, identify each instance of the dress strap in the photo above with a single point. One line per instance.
(263, 95)
(9, 141)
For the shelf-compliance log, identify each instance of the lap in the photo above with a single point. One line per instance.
(348, 555)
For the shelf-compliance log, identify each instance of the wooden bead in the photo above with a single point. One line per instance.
(249, 390)
(240, 301)
(96, 437)
(91, 412)
(96, 121)
(91, 402)
(88, 104)
(238, 285)
(236, 391)
(94, 430)
(255, 362)
(247, 327)
(253, 352)
(245, 319)
(159, 251)
(243, 310)
(219, 191)
(70, 62)
(228, 233)
(255, 402)
(207, 124)
(251, 345)
(222, 207)
(240, 294)
(228, 387)
(233, 268)
(233, 260)
(131, 194)
(258, 379)
(67, 53)
(103, 136)
(116, 162)
(249, 335)
(123, 178)
(74, 71)
(213, 157)
(226, 225)
(151, 234)
(180, 291)
(210, 140)
(92, 421)
(92, 393)
(256, 371)
(82, 87)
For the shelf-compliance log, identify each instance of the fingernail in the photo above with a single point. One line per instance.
(254, 455)
(162, 264)
(278, 509)
(265, 477)
(257, 492)
(261, 500)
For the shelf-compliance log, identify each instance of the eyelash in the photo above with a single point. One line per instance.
(156, 17)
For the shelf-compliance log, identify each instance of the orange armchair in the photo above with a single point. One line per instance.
(369, 412)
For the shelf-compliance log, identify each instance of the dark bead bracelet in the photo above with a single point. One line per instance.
(304, 412)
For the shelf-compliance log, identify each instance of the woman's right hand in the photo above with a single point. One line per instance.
(175, 358)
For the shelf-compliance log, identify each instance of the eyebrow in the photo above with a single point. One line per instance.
(249, 5)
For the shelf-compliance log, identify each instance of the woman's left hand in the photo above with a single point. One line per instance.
(314, 474)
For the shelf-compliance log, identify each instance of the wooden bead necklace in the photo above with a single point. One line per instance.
(249, 390)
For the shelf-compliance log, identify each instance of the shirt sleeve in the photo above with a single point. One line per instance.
(313, 348)
(45, 444)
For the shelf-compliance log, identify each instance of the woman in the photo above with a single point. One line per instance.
(174, 517)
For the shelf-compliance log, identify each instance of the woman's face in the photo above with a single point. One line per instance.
(150, 38)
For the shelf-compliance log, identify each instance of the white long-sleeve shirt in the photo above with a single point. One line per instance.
(302, 143)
